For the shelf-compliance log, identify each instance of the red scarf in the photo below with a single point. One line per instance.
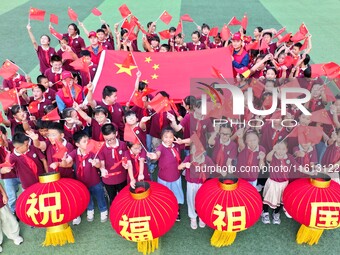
(81, 159)
(31, 165)
(136, 163)
(250, 157)
(176, 154)
(275, 137)
(220, 160)
(47, 57)
(306, 159)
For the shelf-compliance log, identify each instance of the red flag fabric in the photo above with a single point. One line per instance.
(93, 146)
(54, 19)
(264, 45)
(26, 85)
(124, 11)
(80, 64)
(298, 37)
(234, 22)
(285, 38)
(160, 104)
(329, 94)
(217, 73)
(129, 135)
(179, 27)
(52, 115)
(303, 29)
(244, 22)
(304, 45)
(158, 69)
(213, 31)
(187, 18)
(61, 150)
(69, 55)
(1, 119)
(137, 99)
(166, 17)
(196, 141)
(317, 70)
(126, 24)
(72, 14)
(128, 61)
(321, 116)
(37, 14)
(96, 12)
(8, 98)
(257, 86)
(8, 69)
(332, 70)
(225, 33)
(253, 46)
(294, 83)
(165, 34)
(56, 34)
(33, 107)
(307, 134)
(279, 32)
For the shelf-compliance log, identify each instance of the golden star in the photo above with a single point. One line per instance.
(148, 59)
(154, 76)
(155, 66)
(145, 81)
(124, 69)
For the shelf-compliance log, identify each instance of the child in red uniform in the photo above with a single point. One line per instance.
(74, 38)
(113, 173)
(54, 72)
(205, 29)
(318, 99)
(72, 124)
(8, 224)
(87, 77)
(39, 98)
(139, 128)
(178, 45)
(168, 156)
(44, 51)
(195, 44)
(64, 47)
(49, 92)
(86, 172)
(19, 118)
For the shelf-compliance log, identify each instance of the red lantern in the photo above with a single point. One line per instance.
(51, 204)
(228, 205)
(143, 214)
(314, 203)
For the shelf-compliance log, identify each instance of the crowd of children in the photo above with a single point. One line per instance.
(163, 138)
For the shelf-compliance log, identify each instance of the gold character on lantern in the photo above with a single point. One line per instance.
(325, 215)
(236, 218)
(45, 207)
(139, 228)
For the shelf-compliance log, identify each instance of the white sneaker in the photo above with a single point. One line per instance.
(259, 187)
(18, 240)
(193, 223)
(90, 215)
(276, 218)
(76, 221)
(201, 223)
(103, 216)
(265, 218)
(286, 213)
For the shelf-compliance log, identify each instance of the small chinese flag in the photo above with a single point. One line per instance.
(54, 19)
(332, 70)
(165, 17)
(128, 61)
(93, 146)
(33, 107)
(137, 99)
(160, 104)
(234, 22)
(304, 45)
(317, 70)
(165, 34)
(329, 94)
(253, 46)
(257, 86)
(56, 34)
(321, 116)
(279, 32)
(72, 14)
(309, 134)
(8, 69)
(26, 85)
(96, 12)
(213, 31)
(244, 22)
(80, 64)
(1, 120)
(264, 45)
(225, 33)
(303, 29)
(132, 36)
(196, 141)
(285, 38)
(37, 14)
(61, 150)
(134, 21)
(124, 11)
(187, 18)
(130, 135)
(298, 37)
(126, 24)
(69, 55)
(8, 98)
(179, 27)
(52, 115)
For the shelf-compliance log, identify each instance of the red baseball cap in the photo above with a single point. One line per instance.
(92, 33)
(237, 36)
(66, 74)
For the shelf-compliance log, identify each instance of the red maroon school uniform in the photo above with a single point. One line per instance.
(180, 48)
(13, 83)
(272, 48)
(316, 104)
(158, 122)
(14, 122)
(143, 112)
(270, 136)
(85, 172)
(109, 39)
(66, 62)
(222, 152)
(54, 77)
(332, 155)
(202, 128)
(96, 129)
(204, 38)
(310, 158)
(185, 123)
(193, 47)
(65, 172)
(28, 166)
(327, 128)
(214, 45)
(68, 100)
(136, 165)
(116, 116)
(95, 57)
(44, 57)
(50, 94)
(168, 162)
(106, 45)
(194, 176)
(41, 107)
(248, 157)
(85, 77)
(3, 154)
(288, 163)
(77, 43)
(113, 156)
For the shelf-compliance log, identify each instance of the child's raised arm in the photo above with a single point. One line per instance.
(82, 114)
(34, 42)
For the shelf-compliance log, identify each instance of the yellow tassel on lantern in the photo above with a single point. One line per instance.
(222, 238)
(308, 235)
(58, 235)
(147, 246)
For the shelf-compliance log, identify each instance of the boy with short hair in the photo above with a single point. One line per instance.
(53, 73)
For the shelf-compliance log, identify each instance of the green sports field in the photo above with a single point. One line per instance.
(323, 21)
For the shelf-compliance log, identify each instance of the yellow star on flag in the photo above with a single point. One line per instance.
(154, 76)
(148, 60)
(124, 69)
(155, 66)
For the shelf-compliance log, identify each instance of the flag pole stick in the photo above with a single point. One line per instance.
(18, 67)
(139, 141)
(159, 17)
(124, 18)
(195, 23)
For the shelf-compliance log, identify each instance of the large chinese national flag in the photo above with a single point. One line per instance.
(169, 71)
